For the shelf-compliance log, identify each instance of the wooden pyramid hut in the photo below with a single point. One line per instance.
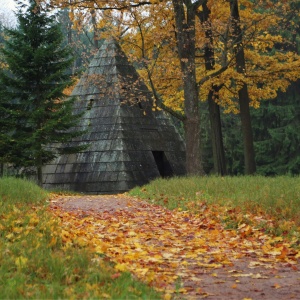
(129, 143)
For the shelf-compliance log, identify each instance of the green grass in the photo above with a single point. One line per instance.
(20, 191)
(36, 264)
(278, 197)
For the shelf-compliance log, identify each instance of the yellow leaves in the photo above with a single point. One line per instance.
(182, 291)
(150, 276)
(34, 220)
(101, 247)
(66, 237)
(279, 251)
(242, 275)
(213, 266)
(16, 210)
(142, 271)
(52, 242)
(167, 255)
(71, 15)
(266, 41)
(17, 229)
(150, 41)
(195, 279)
(245, 230)
(143, 242)
(121, 267)
(161, 247)
(168, 296)
(68, 90)
(10, 236)
(80, 241)
(259, 276)
(105, 296)
(21, 262)
(131, 233)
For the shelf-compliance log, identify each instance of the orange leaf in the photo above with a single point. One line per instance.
(116, 275)
(284, 253)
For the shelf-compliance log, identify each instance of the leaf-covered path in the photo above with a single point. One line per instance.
(184, 255)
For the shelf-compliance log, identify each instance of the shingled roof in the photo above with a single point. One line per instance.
(129, 143)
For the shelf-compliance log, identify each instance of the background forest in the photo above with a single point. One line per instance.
(276, 131)
(215, 35)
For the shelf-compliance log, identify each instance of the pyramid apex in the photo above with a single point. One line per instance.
(129, 144)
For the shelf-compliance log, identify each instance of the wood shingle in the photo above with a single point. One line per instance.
(129, 143)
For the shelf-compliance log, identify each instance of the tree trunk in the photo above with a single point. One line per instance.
(70, 41)
(249, 155)
(192, 140)
(185, 36)
(216, 135)
(94, 22)
(1, 169)
(192, 123)
(39, 161)
(214, 109)
(39, 176)
(39, 165)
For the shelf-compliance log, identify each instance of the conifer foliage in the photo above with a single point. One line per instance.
(34, 110)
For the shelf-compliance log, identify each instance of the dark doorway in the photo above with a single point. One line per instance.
(90, 104)
(163, 165)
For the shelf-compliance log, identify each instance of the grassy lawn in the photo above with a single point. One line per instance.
(272, 203)
(36, 264)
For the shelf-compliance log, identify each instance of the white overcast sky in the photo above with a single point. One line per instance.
(6, 11)
(7, 5)
(7, 8)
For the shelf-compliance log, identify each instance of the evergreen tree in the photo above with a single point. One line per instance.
(32, 91)
(277, 134)
(5, 120)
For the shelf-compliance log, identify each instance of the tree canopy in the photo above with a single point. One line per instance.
(173, 42)
(167, 40)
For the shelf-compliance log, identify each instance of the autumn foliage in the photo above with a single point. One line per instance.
(170, 250)
(161, 246)
(38, 261)
(148, 36)
(232, 54)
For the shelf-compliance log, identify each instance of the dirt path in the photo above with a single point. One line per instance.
(157, 244)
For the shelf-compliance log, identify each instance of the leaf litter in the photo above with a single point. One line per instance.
(180, 252)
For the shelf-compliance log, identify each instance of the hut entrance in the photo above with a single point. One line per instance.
(162, 163)
(109, 165)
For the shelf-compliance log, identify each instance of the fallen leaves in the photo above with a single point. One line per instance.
(161, 247)
(121, 267)
(21, 262)
(251, 275)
